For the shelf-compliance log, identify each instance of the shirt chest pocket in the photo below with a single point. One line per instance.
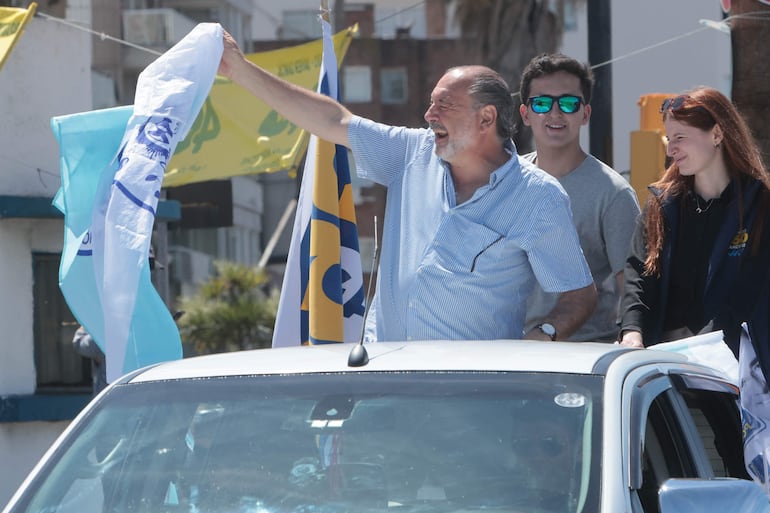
(460, 244)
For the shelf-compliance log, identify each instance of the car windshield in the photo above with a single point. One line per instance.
(333, 443)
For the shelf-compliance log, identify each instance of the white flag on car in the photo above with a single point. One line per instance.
(755, 413)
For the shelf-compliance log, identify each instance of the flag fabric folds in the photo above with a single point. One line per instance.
(221, 143)
(707, 349)
(755, 414)
(12, 23)
(322, 296)
(112, 165)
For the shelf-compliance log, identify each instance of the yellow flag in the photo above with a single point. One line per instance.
(12, 22)
(237, 134)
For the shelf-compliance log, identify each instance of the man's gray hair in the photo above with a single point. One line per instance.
(487, 87)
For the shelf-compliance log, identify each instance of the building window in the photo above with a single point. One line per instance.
(357, 84)
(392, 19)
(393, 83)
(57, 364)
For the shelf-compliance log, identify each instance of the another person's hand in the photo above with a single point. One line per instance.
(631, 339)
(231, 56)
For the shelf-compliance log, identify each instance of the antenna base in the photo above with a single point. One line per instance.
(358, 356)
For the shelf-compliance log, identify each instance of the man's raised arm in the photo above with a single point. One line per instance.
(316, 113)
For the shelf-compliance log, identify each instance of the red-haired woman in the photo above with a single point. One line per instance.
(700, 257)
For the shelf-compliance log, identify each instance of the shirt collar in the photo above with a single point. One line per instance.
(504, 170)
(498, 174)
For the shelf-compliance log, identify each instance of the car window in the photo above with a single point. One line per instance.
(665, 454)
(404, 442)
(692, 430)
(717, 420)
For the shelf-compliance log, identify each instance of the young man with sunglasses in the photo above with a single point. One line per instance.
(556, 94)
(469, 226)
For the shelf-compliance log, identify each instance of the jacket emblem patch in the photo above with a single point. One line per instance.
(738, 244)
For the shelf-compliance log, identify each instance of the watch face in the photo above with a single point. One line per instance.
(548, 329)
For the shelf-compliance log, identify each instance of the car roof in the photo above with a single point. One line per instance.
(488, 355)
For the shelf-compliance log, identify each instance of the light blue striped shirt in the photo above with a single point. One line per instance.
(451, 271)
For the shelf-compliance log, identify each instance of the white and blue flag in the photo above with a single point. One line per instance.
(322, 296)
(755, 413)
(111, 181)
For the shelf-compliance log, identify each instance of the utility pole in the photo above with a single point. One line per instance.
(751, 69)
(599, 51)
(338, 20)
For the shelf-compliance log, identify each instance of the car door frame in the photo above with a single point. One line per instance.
(642, 387)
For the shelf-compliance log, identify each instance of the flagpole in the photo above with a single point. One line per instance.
(277, 234)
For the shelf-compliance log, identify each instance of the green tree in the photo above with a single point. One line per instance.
(230, 312)
(508, 33)
(749, 32)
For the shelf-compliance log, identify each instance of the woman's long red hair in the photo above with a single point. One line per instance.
(704, 108)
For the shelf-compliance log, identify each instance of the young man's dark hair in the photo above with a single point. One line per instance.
(549, 63)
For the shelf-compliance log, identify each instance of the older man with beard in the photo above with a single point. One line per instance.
(469, 226)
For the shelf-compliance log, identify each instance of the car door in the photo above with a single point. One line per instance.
(684, 424)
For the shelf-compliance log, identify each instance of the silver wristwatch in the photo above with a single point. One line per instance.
(548, 329)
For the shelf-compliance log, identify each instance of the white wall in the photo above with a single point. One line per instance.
(21, 446)
(17, 369)
(47, 74)
(699, 59)
(702, 58)
(43, 77)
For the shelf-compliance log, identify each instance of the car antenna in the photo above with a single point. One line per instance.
(358, 356)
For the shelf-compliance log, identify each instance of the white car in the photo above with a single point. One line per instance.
(417, 427)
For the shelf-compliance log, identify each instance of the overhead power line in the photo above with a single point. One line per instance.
(756, 16)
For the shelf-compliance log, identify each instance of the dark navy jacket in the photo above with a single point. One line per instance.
(737, 283)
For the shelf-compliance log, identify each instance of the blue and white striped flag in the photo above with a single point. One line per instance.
(110, 191)
(322, 297)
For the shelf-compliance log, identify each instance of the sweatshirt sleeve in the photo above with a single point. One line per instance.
(640, 290)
